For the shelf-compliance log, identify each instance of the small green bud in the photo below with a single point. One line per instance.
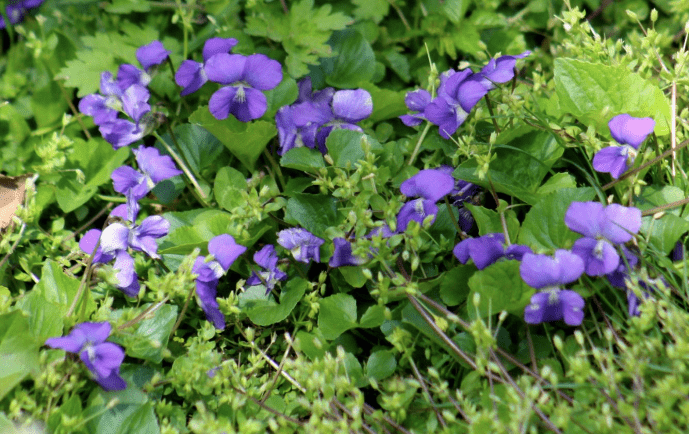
(654, 15)
(631, 14)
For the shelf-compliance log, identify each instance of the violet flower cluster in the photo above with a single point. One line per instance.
(244, 79)
(458, 93)
(552, 303)
(118, 238)
(102, 358)
(209, 271)
(16, 10)
(314, 115)
(128, 94)
(629, 132)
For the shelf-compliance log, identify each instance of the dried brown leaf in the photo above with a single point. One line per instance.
(11, 196)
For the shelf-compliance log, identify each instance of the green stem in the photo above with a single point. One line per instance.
(454, 220)
(418, 144)
(492, 115)
(196, 191)
(276, 168)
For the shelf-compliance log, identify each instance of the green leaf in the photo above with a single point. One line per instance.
(127, 6)
(45, 318)
(97, 159)
(373, 317)
(653, 196)
(354, 276)
(246, 141)
(304, 159)
(489, 222)
(199, 147)
(387, 104)
(151, 336)
(557, 182)
(266, 311)
(313, 212)
(454, 287)
(375, 10)
(663, 233)
(520, 166)
(595, 92)
(71, 194)
(284, 94)
(347, 146)
(381, 365)
(229, 182)
(47, 108)
(354, 63)
(132, 407)
(337, 314)
(18, 351)
(501, 288)
(58, 288)
(544, 226)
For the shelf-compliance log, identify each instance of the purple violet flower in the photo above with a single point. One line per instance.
(347, 108)
(246, 77)
(103, 108)
(148, 56)
(302, 243)
(500, 70)
(268, 260)
(487, 250)
(16, 10)
(416, 101)
(191, 75)
(602, 228)
(431, 184)
(102, 358)
(416, 210)
(458, 93)
(342, 256)
(553, 303)
(225, 251)
(630, 132)
(154, 168)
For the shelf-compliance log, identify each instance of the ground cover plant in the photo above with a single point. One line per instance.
(356, 216)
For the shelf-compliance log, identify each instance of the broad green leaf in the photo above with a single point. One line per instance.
(387, 104)
(544, 228)
(71, 194)
(127, 6)
(347, 146)
(45, 318)
(337, 314)
(46, 106)
(266, 311)
(664, 232)
(284, 94)
(520, 165)
(489, 222)
(310, 344)
(246, 141)
(199, 147)
(595, 92)
(501, 288)
(313, 212)
(354, 276)
(229, 182)
(132, 407)
(97, 159)
(354, 62)
(373, 317)
(151, 336)
(653, 196)
(381, 364)
(18, 351)
(304, 159)
(454, 287)
(375, 10)
(556, 183)
(58, 288)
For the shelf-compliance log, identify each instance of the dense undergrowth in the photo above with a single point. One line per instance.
(368, 216)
